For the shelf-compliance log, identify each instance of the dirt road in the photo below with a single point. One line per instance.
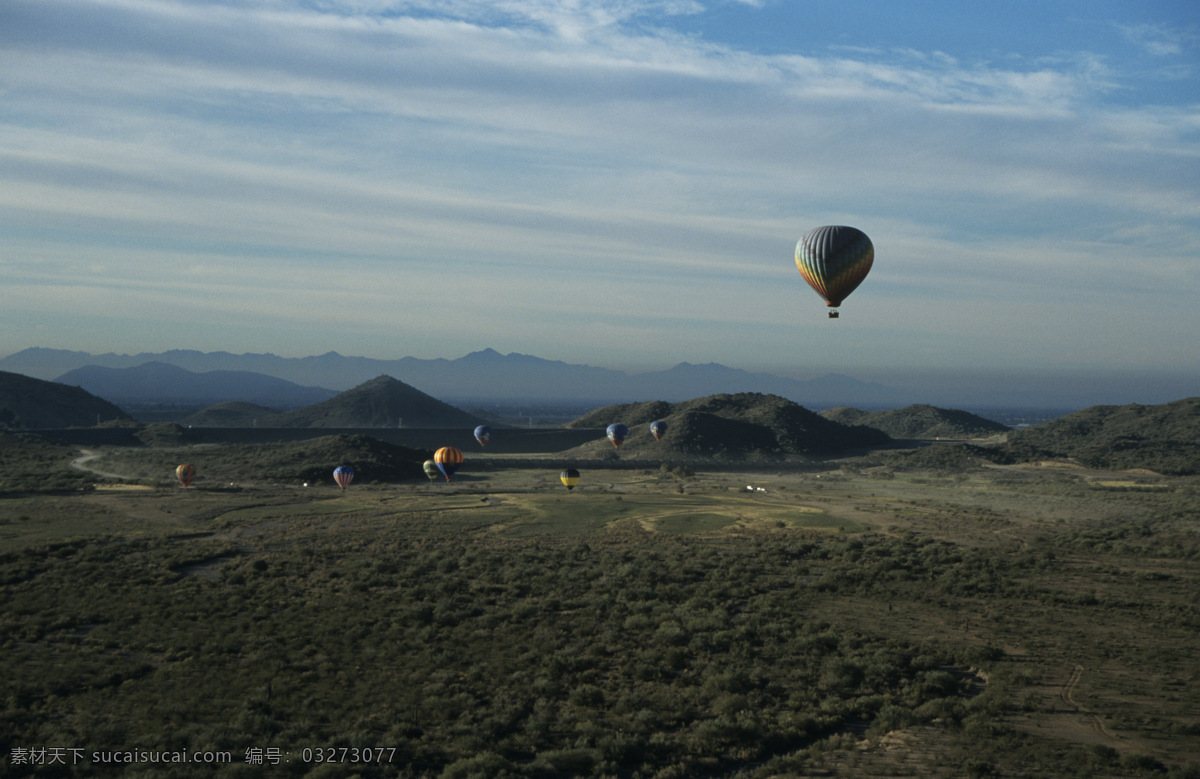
(80, 464)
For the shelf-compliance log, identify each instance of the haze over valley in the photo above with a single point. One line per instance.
(519, 385)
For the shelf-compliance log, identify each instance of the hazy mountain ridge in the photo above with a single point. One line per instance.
(918, 421)
(1163, 437)
(481, 375)
(162, 382)
(487, 375)
(28, 403)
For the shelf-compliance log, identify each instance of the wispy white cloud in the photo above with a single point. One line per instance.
(1157, 39)
(364, 165)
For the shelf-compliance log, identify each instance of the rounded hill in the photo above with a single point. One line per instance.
(380, 402)
(743, 424)
(918, 421)
(1163, 438)
(27, 403)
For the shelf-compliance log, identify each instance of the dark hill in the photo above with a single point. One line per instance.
(234, 414)
(380, 402)
(1163, 438)
(630, 414)
(919, 421)
(727, 425)
(313, 460)
(27, 403)
(954, 457)
(294, 462)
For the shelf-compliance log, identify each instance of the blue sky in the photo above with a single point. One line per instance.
(611, 182)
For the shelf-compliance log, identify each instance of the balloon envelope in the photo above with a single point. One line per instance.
(343, 475)
(185, 473)
(617, 433)
(834, 260)
(483, 434)
(658, 429)
(447, 460)
(570, 477)
(431, 469)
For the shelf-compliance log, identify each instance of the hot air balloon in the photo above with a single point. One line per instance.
(658, 429)
(834, 260)
(617, 433)
(570, 477)
(343, 475)
(431, 470)
(483, 434)
(447, 460)
(185, 473)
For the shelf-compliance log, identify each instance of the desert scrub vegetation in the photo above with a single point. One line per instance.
(311, 460)
(1162, 438)
(31, 464)
(474, 646)
(605, 657)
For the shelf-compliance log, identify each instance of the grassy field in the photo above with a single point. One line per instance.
(1002, 621)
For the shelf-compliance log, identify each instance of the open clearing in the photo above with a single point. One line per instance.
(500, 625)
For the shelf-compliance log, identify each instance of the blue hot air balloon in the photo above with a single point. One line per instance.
(617, 433)
(343, 475)
(483, 434)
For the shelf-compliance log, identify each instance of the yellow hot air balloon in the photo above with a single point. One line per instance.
(447, 460)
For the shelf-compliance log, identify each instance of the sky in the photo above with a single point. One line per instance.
(618, 183)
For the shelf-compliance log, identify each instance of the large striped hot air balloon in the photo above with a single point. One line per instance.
(185, 473)
(834, 260)
(343, 475)
(447, 460)
(569, 477)
(617, 433)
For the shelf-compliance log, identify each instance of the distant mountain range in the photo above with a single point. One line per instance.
(27, 403)
(158, 382)
(382, 402)
(477, 377)
(488, 378)
(1164, 438)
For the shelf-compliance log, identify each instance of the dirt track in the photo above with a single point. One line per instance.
(79, 464)
(1097, 724)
